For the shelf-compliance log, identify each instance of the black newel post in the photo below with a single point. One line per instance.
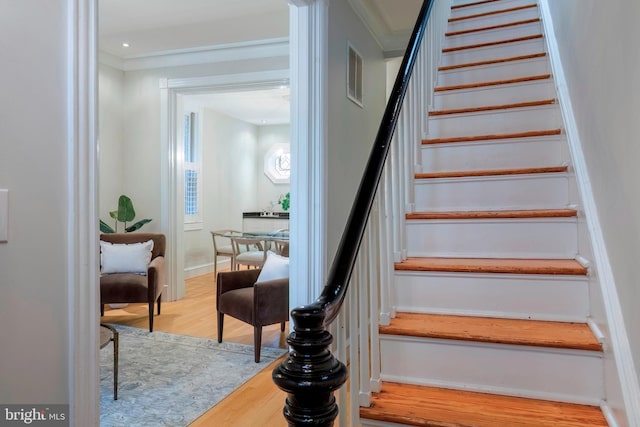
(310, 374)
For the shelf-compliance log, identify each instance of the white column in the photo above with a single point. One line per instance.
(82, 194)
(308, 66)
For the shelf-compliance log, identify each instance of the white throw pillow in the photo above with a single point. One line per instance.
(275, 267)
(125, 258)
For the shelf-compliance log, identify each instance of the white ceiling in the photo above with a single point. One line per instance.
(152, 27)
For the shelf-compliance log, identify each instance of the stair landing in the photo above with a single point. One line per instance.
(438, 407)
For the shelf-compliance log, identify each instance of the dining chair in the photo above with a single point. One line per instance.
(280, 246)
(223, 247)
(249, 251)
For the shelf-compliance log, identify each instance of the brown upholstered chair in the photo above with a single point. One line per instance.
(258, 304)
(135, 288)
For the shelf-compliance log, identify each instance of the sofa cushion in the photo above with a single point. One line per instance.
(275, 267)
(125, 258)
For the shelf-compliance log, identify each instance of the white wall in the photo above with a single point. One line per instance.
(598, 45)
(352, 129)
(34, 143)
(110, 140)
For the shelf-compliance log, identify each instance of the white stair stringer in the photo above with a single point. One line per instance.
(563, 298)
(540, 238)
(543, 151)
(527, 191)
(566, 375)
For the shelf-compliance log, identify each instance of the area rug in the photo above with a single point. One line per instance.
(170, 380)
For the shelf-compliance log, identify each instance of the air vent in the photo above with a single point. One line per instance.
(354, 75)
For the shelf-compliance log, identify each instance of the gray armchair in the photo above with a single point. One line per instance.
(258, 304)
(135, 288)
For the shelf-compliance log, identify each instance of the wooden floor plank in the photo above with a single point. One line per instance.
(493, 61)
(477, 3)
(493, 83)
(437, 407)
(494, 265)
(538, 333)
(539, 103)
(492, 43)
(490, 172)
(502, 214)
(493, 12)
(489, 137)
(492, 27)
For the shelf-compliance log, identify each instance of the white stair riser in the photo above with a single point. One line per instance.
(492, 238)
(499, 71)
(566, 375)
(490, 20)
(549, 190)
(520, 296)
(494, 154)
(495, 122)
(487, 36)
(488, 7)
(495, 95)
(505, 50)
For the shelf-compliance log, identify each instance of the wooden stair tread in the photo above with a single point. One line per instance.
(478, 3)
(493, 107)
(494, 265)
(492, 61)
(501, 214)
(493, 12)
(538, 333)
(438, 407)
(492, 27)
(493, 43)
(528, 134)
(490, 172)
(493, 83)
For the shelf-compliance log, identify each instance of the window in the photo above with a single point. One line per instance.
(354, 75)
(192, 165)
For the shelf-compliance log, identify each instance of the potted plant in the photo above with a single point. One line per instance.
(124, 214)
(285, 201)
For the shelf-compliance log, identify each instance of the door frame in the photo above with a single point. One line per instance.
(171, 171)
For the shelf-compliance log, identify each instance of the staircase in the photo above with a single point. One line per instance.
(492, 303)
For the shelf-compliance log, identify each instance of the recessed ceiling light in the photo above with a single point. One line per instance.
(125, 44)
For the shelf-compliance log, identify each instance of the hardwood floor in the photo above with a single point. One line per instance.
(257, 402)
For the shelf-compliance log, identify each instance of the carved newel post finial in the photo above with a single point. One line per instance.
(310, 374)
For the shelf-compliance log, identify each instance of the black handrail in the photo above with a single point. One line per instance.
(311, 373)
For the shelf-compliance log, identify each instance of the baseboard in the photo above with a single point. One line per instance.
(627, 376)
(199, 270)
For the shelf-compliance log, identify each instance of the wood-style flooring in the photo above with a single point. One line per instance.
(258, 402)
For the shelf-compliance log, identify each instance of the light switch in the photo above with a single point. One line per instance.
(4, 216)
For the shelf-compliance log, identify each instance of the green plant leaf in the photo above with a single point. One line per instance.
(126, 212)
(137, 225)
(114, 215)
(105, 228)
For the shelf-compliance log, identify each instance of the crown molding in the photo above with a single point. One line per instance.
(391, 42)
(278, 47)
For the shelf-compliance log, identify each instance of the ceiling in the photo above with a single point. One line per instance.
(153, 27)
